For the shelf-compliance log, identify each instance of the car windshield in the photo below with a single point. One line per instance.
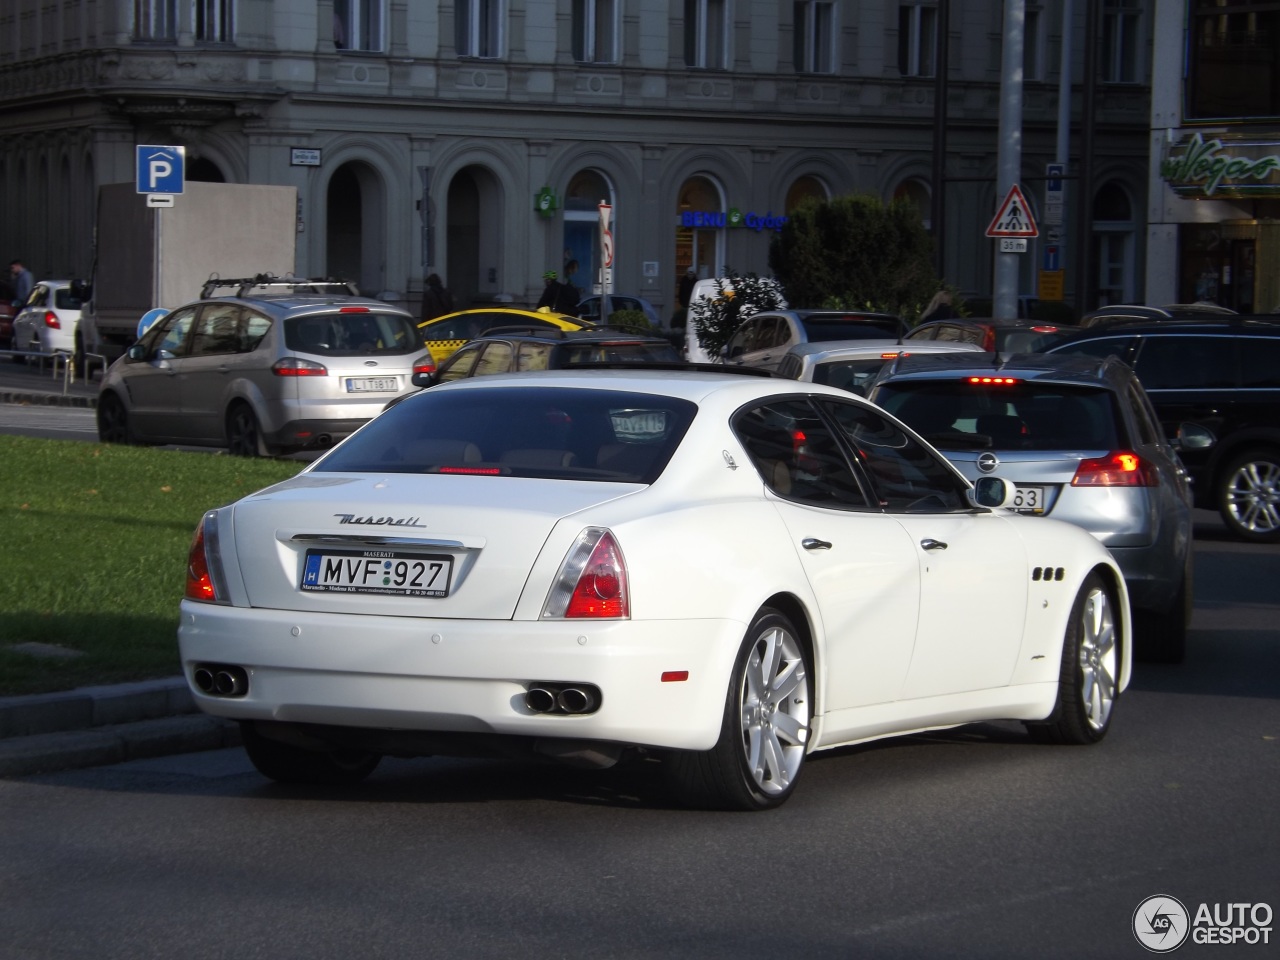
(621, 351)
(1027, 339)
(850, 328)
(560, 433)
(1022, 415)
(352, 334)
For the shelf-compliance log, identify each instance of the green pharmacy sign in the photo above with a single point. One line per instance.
(1222, 168)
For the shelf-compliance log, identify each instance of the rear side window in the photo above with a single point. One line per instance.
(352, 334)
(1121, 347)
(563, 434)
(1260, 363)
(853, 375)
(1187, 362)
(866, 329)
(956, 414)
(63, 299)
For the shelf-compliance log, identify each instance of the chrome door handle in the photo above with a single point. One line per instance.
(813, 543)
(930, 544)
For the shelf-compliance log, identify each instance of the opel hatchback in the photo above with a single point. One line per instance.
(261, 375)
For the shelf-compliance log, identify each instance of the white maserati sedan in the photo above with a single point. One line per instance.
(723, 571)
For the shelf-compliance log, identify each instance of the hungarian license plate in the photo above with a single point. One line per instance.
(1029, 499)
(372, 384)
(377, 571)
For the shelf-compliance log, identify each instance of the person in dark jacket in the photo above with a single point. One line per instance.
(939, 308)
(436, 300)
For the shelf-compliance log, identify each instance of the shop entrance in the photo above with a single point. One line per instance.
(1219, 266)
(699, 248)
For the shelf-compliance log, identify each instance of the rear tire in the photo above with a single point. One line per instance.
(1162, 637)
(286, 764)
(244, 436)
(766, 726)
(1088, 680)
(1249, 496)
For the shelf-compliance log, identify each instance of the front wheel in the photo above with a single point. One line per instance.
(765, 731)
(288, 764)
(1249, 496)
(113, 420)
(1088, 681)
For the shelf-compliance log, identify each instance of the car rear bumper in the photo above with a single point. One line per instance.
(467, 676)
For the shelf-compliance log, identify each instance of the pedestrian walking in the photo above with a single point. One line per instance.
(22, 282)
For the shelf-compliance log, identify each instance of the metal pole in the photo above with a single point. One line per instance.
(1009, 149)
(1085, 294)
(938, 206)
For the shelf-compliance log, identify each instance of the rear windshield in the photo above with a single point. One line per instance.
(849, 374)
(820, 331)
(623, 351)
(956, 414)
(1027, 339)
(565, 434)
(355, 334)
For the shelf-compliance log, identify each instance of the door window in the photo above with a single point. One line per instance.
(1260, 363)
(797, 456)
(496, 358)
(217, 331)
(1187, 363)
(168, 338)
(907, 478)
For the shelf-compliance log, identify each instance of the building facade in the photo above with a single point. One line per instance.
(1214, 204)
(476, 139)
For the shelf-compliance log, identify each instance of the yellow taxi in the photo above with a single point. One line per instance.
(444, 335)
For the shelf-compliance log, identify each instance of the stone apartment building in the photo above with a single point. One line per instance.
(477, 138)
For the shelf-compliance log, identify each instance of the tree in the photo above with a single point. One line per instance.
(716, 318)
(855, 252)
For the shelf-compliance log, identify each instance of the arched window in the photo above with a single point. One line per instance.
(806, 188)
(917, 193)
(579, 260)
(700, 228)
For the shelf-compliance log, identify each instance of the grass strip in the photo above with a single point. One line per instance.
(93, 551)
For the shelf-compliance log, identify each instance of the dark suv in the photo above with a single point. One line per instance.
(1216, 388)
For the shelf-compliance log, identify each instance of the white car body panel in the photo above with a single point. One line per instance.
(905, 638)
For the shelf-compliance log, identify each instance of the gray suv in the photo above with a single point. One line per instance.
(1080, 441)
(261, 375)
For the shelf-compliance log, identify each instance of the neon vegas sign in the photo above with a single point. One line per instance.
(1213, 168)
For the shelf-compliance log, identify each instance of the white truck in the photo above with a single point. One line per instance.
(160, 257)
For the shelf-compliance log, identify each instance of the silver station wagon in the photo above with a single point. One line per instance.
(261, 375)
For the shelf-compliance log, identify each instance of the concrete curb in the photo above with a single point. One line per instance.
(91, 726)
(37, 398)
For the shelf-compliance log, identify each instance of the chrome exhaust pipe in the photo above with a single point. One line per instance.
(540, 700)
(576, 700)
(203, 679)
(229, 683)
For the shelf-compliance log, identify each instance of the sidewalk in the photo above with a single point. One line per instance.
(29, 384)
(92, 726)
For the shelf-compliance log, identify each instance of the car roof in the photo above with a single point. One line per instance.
(1267, 325)
(1044, 367)
(860, 349)
(695, 385)
(514, 311)
(599, 334)
(289, 306)
(820, 316)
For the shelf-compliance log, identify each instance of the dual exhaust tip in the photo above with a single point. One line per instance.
(563, 698)
(220, 680)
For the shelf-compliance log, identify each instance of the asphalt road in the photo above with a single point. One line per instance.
(967, 843)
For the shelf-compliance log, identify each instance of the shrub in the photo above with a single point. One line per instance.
(737, 297)
(633, 321)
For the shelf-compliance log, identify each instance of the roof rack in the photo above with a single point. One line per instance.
(270, 283)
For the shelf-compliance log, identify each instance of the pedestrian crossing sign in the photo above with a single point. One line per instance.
(1013, 219)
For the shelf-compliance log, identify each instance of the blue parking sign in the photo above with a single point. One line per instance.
(160, 169)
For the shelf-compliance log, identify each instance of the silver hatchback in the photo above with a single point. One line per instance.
(261, 375)
(1081, 442)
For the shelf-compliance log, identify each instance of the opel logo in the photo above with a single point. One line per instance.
(988, 462)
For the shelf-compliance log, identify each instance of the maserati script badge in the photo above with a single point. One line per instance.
(380, 521)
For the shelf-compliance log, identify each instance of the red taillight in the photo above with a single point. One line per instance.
(995, 381)
(1115, 470)
(472, 471)
(989, 340)
(601, 590)
(51, 320)
(424, 365)
(199, 582)
(297, 367)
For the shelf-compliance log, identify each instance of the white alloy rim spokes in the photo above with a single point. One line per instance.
(775, 710)
(1097, 658)
(1253, 496)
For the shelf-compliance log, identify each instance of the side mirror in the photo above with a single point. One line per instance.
(422, 380)
(1192, 436)
(992, 492)
(137, 353)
